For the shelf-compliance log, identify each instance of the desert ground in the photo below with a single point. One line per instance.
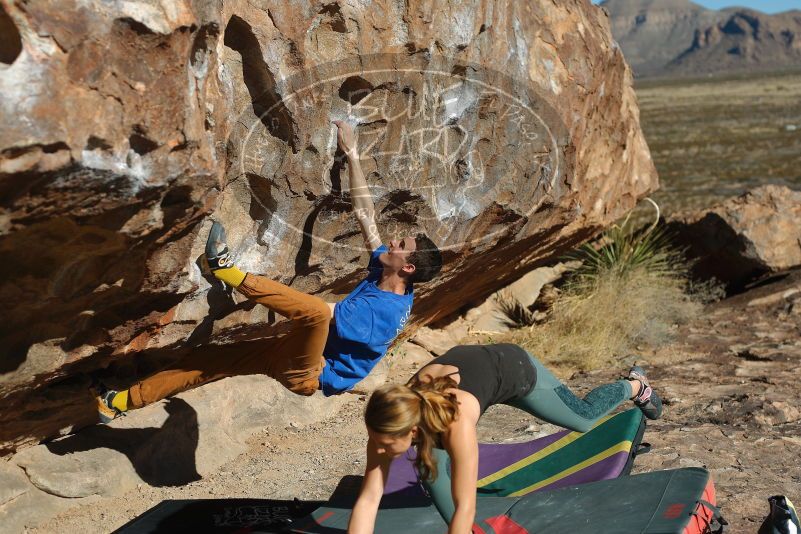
(718, 137)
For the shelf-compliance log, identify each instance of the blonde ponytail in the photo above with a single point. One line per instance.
(395, 409)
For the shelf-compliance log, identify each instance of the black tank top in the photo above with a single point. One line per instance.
(494, 374)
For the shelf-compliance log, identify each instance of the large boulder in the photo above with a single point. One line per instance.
(743, 237)
(508, 131)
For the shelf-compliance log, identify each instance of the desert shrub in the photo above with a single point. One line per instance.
(631, 290)
(515, 314)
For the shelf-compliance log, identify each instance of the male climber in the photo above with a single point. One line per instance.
(310, 356)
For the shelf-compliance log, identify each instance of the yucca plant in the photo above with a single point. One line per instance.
(623, 250)
(515, 314)
(631, 290)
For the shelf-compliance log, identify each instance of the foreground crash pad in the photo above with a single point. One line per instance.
(506, 470)
(680, 501)
(509, 469)
(219, 516)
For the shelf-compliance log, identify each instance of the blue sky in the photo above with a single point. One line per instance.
(767, 6)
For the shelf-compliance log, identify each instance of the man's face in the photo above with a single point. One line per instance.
(389, 445)
(396, 258)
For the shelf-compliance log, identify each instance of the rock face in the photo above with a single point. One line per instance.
(128, 125)
(679, 37)
(744, 237)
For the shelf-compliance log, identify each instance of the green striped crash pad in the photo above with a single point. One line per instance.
(507, 472)
(660, 502)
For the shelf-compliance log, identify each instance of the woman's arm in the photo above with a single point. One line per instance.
(362, 519)
(461, 443)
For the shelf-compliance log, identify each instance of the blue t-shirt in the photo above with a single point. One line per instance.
(365, 323)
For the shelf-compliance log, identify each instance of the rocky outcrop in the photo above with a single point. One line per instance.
(653, 33)
(128, 125)
(679, 37)
(744, 237)
(743, 40)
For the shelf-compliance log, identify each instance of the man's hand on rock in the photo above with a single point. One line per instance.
(346, 138)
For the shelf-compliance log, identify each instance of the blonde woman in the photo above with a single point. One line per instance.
(441, 405)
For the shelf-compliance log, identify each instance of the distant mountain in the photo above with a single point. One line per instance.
(678, 37)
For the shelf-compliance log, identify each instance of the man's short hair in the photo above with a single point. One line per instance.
(427, 260)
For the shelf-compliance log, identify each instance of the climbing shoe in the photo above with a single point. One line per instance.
(646, 400)
(105, 409)
(219, 258)
(217, 253)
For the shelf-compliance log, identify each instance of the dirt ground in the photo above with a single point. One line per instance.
(731, 391)
(717, 137)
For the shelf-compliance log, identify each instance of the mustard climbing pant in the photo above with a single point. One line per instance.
(295, 358)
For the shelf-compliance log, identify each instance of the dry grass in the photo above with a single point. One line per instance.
(591, 326)
(631, 292)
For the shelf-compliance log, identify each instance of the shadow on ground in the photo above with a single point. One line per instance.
(161, 456)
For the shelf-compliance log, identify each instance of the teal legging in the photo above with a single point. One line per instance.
(551, 401)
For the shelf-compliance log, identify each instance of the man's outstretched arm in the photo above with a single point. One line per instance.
(363, 206)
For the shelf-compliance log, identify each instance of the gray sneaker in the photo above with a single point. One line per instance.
(646, 400)
(105, 411)
(217, 253)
